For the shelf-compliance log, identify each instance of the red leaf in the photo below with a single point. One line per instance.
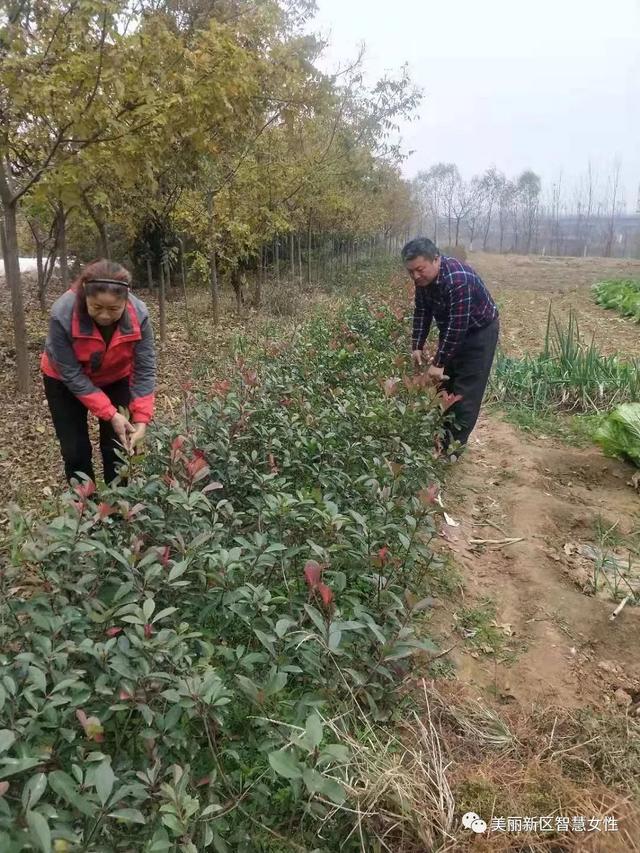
(448, 400)
(272, 464)
(113, 632)
(125, 696)
(430, 495)
(176, 447)
(148, 631)
(250, 378)
(197, 468)
(85, 490)
(135, 510)
(383, 554)
(4, 787)
(222, 388)
(391, 386)
(326, 594)
(91, 725)
(165, 554)
(105, 510)
(187, 386)
(312, 573)
(204, 781)
(286, 401)
(212, 487)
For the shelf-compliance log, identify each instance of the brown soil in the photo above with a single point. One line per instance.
(564, 650)
(525, 287)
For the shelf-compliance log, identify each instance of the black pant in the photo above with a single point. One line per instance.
(69, 417)
(468, 373)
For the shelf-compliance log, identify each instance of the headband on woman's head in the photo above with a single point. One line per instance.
(107, 281)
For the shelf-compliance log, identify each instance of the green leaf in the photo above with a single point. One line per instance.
(148, 607)
(38, 679)
(17, 765)
(316, 618)
(266, 640)
(313, 731)
(285, 764)
(128, 815)
(333, 791)
(336, 752)
(168, 611)
(39, 830)
(104, 780)
(65, 787)
(33, 790)
(276, 683)
(313, 780)
(177, 571)
(283, 625)
(7, 739)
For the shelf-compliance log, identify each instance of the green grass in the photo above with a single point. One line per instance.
(575, 430)
(568, 376)
(622, 295)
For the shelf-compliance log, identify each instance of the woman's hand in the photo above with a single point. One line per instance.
(123, 430)
(137, 437)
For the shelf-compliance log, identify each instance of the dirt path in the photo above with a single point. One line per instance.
(559, 645)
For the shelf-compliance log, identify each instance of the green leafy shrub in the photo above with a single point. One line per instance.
(623, 295)
(172, 649)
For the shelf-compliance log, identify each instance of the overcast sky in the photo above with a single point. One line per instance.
(544, 84)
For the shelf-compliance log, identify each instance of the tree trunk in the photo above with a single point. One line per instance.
(41, 282)
(62, 245)
(162, 305)
(10, 252)
(103, 239)
(457, 231)
(149, 274)
(485, 239)
(292, 255)
(276, 257)
(309, 249)
(257, 297)
(300, 274)
(183, 276)
(213, 266)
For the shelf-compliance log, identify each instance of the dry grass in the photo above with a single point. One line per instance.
(409, 790)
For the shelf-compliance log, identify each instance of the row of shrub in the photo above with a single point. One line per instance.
(172, 649)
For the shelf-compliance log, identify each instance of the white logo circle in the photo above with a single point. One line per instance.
(479, 826)
(469, 818)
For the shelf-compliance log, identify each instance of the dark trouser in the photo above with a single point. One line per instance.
(468, 374)
(69, 417)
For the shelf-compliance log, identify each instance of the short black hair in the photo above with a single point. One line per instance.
(420, 247)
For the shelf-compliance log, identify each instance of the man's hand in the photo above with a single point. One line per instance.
(123, 429)
(137, 437)
(436, 373)
(416, 357)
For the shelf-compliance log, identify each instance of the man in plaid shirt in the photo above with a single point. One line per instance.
(454, 295)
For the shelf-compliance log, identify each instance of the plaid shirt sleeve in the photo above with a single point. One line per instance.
(459, 294)
(422, 317)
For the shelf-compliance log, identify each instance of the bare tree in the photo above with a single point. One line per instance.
(507, 210)
(613, 201)
(493, 184)
(529, 187)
